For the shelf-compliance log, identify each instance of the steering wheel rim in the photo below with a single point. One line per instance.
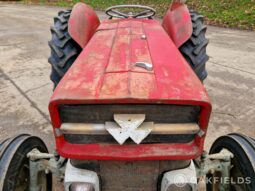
(147, 13)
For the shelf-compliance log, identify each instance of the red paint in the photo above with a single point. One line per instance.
(105, 73)
(128, 152)
(177, 23)
(82, 24)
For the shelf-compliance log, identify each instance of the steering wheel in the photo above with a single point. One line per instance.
(147, 12)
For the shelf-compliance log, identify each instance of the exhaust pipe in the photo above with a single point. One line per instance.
(181, 180)
(81, 187)
(77, 179)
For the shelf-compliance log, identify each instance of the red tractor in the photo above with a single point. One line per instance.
(129, 110)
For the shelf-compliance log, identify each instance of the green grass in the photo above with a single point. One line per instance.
(226, 13)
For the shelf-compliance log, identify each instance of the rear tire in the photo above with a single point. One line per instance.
(243, 149)
(64, 50)
(194, 50)
(14, 164)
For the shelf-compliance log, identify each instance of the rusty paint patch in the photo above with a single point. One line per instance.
(120, 56)
(142, 84)
(115, 84)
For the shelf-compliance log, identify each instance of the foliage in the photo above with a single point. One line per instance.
(226, 13)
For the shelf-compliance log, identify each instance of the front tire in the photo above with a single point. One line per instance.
(194, 50)
(14, 164)
(243, 163)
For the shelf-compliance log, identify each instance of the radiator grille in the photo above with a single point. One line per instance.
(155, 113)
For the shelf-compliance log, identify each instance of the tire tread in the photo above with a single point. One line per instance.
(194, 50)
(64, 50)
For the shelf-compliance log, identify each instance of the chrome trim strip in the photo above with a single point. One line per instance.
(158, 128)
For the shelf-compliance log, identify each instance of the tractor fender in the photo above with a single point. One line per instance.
(83, 23)
(177, 22)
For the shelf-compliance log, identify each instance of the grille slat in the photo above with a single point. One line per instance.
(151, 139)
(155, 113)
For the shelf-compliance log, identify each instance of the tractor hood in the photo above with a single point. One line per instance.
(107, 71)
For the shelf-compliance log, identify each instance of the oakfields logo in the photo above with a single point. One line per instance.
(229, 180)
(181, 180)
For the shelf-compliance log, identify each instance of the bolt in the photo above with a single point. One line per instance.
(201, 133)
(61, 178)
(204, 155)
(58, 132)
(47, 171)
(56, 155)
(143, 37)
(211, 171)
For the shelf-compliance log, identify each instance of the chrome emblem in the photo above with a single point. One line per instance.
(129, 126)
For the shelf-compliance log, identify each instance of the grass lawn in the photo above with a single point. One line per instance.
(226, 13)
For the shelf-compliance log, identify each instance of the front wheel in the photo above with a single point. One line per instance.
(242, 172)
(14, 164)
